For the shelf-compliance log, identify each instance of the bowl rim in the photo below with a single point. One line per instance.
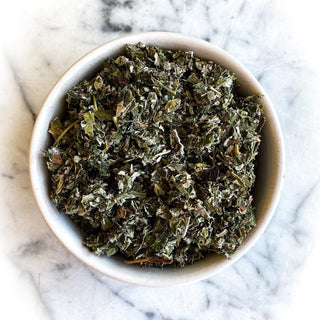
(258, 231)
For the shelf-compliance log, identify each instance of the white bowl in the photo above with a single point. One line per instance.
(270, 170)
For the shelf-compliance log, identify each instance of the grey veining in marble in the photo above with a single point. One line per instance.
(41, 280)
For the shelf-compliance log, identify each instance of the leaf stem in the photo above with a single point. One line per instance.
(148, 260)
(95, 103)
(64, 132)
(165, 87)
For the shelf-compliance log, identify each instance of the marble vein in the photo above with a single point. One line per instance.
(235, 10)
(8, 176)
(117, 294)
(309, 193)
(21, 89)
(277, 63)
(36, 283)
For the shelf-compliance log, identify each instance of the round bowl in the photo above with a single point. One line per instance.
(270, 166)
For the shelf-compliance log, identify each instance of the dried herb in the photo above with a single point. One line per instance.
(155, 156)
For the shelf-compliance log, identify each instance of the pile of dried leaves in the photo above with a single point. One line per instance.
(155, 158)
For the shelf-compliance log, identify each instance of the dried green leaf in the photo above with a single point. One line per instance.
(56, 128)
(155, 158)
(89, 122)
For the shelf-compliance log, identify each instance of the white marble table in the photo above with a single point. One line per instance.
(274, 280)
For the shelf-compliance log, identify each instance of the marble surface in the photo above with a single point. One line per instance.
(278, 278)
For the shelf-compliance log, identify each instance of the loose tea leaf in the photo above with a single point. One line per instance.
(155, 157)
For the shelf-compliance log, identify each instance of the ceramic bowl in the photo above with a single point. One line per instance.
(270, 167)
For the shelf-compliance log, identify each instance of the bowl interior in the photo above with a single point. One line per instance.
(269, 168)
